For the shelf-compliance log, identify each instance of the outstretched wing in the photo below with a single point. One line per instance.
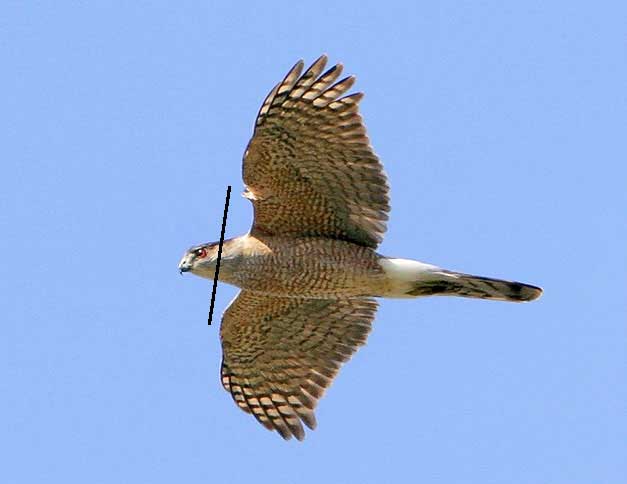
(309, 167)
(280, 354)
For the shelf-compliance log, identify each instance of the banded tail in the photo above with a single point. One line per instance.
(409, 278)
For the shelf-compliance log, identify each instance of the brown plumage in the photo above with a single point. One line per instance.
(309, 168)
(308, 270)
(280, 353)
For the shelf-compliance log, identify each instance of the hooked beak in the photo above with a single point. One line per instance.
(184, 265)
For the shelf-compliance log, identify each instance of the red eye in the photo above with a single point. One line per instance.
(202, 252)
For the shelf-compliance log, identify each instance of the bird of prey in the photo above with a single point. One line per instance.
(308, 270)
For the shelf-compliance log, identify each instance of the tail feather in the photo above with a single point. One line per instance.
(448, 283)
(411, 278)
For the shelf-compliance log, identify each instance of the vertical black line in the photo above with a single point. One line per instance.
(215, 278)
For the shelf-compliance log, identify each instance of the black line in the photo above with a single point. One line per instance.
(215, 278)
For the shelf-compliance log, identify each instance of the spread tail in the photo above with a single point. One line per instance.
(412, 279)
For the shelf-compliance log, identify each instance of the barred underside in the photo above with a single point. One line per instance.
(280, 354)
(309, 168)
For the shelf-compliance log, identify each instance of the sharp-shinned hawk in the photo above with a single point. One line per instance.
(308, 270)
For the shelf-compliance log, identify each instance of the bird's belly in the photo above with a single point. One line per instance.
(312, 268)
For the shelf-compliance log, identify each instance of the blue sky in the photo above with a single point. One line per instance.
(502, 129)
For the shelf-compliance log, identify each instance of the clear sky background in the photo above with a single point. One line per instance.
(502, 127)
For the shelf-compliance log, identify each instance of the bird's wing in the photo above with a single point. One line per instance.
(309, 167)
(280, 354)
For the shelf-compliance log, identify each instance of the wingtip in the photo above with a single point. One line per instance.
(323, 58)
(296, 68)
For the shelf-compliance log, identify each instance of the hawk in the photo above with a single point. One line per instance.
(308, 269)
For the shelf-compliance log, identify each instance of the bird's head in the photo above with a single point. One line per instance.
(200, 260)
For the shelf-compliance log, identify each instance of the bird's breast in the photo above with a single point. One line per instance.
(307, 267)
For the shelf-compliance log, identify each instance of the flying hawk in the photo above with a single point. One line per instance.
(308, 270)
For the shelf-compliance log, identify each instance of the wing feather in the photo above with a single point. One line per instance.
(309, 168)
(281, 354)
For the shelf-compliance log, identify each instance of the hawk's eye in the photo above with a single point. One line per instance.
(202, 252)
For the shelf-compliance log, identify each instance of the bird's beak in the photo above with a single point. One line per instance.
(185, 265)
